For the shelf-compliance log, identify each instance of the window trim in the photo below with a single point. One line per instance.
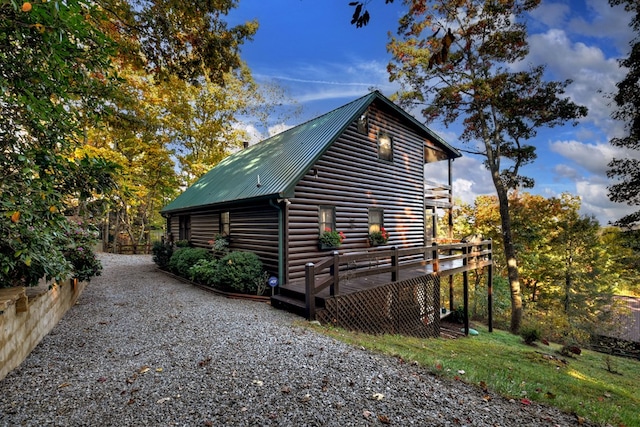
(224, 224)
(382, 135)
(321, 224)
(371, 223)
(362, 123)
(184, 227)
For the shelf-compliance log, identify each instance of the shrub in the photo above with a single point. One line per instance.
(182, 243)
(240, 271)
(205, 272)
(530, 334)
(457, 315)
(162, 253)
(84, 262)
(184, 258)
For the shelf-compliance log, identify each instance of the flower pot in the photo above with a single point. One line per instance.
(326, 247)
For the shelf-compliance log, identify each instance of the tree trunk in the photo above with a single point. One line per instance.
(510, 254)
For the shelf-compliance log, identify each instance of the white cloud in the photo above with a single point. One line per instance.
(595, 202)
(551, 14)
(593, 75)
(278, 128)
(608, 22)
(593, 158)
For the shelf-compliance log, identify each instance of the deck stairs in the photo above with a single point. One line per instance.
(293, 301)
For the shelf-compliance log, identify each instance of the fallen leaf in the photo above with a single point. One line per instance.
(525, 401)
(102, 379)
(483, 385)
(164, 399)
(64, 385)
(384, 419)
(258, 383)
(159, 369)
(461, 371)
(285, 389)
(366, 414)
(486, 398)
(377, 396)
(143, 369)
(204, 362)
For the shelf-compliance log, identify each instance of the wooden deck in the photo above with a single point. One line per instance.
(350, 284)
(344, 274)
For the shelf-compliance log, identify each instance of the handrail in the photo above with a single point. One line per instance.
(327, 272)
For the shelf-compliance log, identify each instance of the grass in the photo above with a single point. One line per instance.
(603, 389)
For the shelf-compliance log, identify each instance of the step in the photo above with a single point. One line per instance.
(288, 303)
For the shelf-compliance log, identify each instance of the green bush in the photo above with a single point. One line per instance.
(205, 272)
(240, 271)
(530, 334)
(162, 253)
(184, 258)
(84, 262)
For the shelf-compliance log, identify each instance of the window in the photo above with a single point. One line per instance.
(185, 227)
(376, 217)
(363, 123)
(224, 223)
(327, 218)
(385, 147)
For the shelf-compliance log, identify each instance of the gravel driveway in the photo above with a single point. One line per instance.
(141, 348)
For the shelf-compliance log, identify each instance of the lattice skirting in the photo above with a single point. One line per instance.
(409, 307)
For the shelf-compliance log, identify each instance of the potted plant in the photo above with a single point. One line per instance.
(378, 237)
(330, 239)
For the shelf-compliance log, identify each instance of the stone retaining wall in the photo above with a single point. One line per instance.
(28, 314)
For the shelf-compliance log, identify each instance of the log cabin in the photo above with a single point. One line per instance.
(356, 170)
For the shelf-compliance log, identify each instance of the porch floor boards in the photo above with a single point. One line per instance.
(350, 285)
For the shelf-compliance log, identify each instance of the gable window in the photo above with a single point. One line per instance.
(224, 223)
(363, 123)
(327, 218)
(385, 147)
(185, 227)
(376, 219)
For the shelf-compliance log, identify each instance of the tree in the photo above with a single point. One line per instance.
(467, 72)
(570, 268)
(627, 100)
(176, 38)
(50, 57)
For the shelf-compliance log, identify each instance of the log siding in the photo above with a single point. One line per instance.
(351, 177)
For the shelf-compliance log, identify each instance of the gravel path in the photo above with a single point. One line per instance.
(141, 348)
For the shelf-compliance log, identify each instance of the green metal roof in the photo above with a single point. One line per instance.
(272, 168)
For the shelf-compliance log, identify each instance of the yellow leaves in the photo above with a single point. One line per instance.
(40, 28)
(15, 217)
(53, 209)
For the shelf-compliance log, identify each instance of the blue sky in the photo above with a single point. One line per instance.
(310, 49)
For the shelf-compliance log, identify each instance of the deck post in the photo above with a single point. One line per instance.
(394, 264)
(334, 270)
(435, 259)
(465, 286)
(309, 291)
(490, 286)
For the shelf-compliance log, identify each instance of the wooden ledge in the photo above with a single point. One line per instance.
(17, 296)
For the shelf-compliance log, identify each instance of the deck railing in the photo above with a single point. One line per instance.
(443, 259)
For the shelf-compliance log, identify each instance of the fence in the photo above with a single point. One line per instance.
(410, 307)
